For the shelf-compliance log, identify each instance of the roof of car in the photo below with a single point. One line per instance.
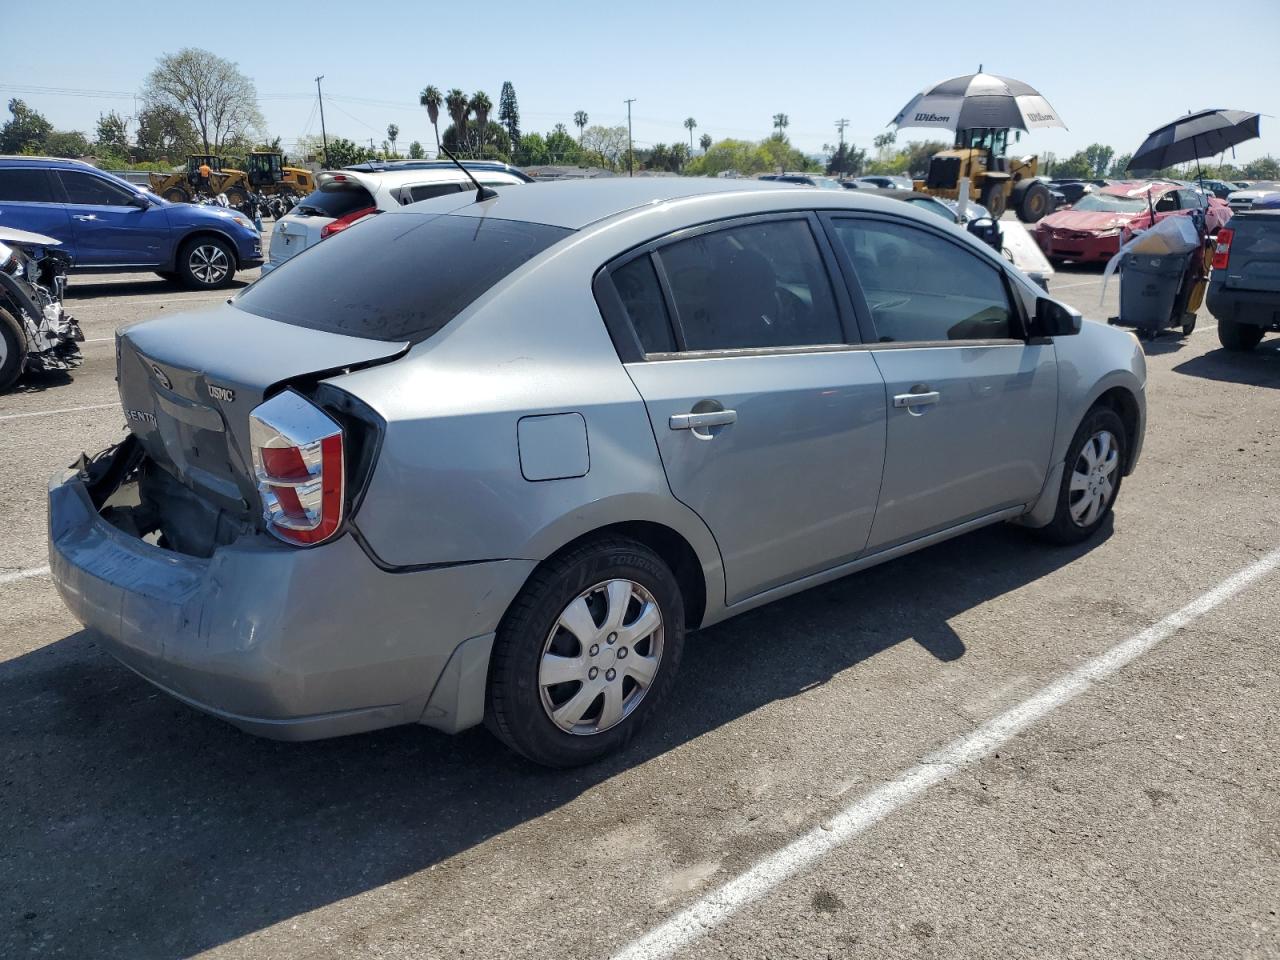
(67, 160)
(394, 177)
(574, 204)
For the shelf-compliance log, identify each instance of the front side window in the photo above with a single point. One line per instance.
(753, 286)
(25, 185)
(921, 287)
(87, 189)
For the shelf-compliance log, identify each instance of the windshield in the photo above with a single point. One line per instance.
(1110, 203)
(416, 273)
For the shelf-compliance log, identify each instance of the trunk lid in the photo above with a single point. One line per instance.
(1255, 252)
(293, 233)
(189, 382)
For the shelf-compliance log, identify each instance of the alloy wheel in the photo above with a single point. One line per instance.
(601, 657)
(209, 264)
(1093, 478)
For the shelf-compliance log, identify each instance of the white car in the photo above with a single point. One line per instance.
(342, 197)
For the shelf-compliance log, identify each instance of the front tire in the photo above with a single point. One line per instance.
(1239, 337)
(206, 263)
(994, 199)
(586, 653)
(13, 350)
(1091, 479)
(1034, 203)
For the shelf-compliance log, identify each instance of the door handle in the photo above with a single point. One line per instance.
(83, 217)
(916, 399)
(696, 421)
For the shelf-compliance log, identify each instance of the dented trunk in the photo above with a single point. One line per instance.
(189, 382)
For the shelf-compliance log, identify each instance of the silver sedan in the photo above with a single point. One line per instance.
(490, 460)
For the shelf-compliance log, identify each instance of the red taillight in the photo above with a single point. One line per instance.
(298, 464)
(337, 226)
(1222, 251)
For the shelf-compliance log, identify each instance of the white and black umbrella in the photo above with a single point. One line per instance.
(979, 101)
(1194, 136)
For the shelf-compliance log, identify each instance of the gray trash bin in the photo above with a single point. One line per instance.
(1148, 289)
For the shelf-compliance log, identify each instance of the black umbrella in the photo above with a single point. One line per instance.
(979, 100)
(1194, 136)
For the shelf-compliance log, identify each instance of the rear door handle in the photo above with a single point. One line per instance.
(696, 421)
(916, 399)
(82, 217)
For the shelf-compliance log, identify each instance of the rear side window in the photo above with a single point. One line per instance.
(641, 296)
(400, 276)
(427, 191)
(336, 201)
(756, 285)
(85, 188)
(25, 185)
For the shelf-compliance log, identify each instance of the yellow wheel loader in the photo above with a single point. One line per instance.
(995, 181)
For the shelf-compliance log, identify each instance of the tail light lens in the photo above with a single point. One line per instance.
(1222, 251)
(298, 463)
(337, 226)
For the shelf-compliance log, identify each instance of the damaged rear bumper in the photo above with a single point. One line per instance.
(286, 643)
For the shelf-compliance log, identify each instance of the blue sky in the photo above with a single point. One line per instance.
(1112, 70)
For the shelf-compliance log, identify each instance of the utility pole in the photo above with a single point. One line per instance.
(840, 125)
(324, 137)
(631, 154)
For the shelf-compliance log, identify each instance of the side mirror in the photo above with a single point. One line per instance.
(140, 201)
(1054, 319)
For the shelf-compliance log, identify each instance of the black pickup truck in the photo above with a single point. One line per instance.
(1244, 289)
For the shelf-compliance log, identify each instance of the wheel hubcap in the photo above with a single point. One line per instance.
(209, 263)
(1093, 478)
(601, 657)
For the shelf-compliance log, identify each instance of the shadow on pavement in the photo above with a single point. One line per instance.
(1258, 368)
(133, 826)
(83, 289)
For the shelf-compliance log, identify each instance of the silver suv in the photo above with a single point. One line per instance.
(501, 490)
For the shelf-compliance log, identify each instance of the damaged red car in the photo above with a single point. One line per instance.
(1095, 227)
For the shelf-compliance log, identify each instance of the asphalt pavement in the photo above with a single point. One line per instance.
(992, 748)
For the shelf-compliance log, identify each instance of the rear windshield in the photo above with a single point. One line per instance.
(335, 202)
(396, 276)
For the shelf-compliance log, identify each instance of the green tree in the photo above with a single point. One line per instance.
(846, 159)
(532, 151)
(580, 121)
(509, 114)
(343, 153)
(884, 144)
(496, 144)
(211, 92)
(113, 135)
(482, 105)
(1099, 158)
(432, 99)
(1120, 166)
(165, 133)
(705, 142)
(689, 124)
(1264, 168)
(780, 123)
(393, 134)
(459, 108)
(415, 151)
(726, 156)
(26, 131)
(562, 148)
(605, 146)
(1077, 166)
(67, 143)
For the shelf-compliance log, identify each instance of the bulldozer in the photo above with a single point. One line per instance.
(995, 181)
(266, 174)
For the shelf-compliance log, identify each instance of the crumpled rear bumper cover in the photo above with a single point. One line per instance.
(286, 643)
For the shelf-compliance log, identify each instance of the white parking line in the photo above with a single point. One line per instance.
(17, 575)
(713, 909)
(48, 413)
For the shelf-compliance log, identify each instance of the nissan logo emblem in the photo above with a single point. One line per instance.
(161, 378)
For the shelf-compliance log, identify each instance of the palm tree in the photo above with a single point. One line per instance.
(780, 123)
(580, 121)
(705, 142)
(459, 106)
(431, 99)
(393, 133)
(689, 124)
(481, 104)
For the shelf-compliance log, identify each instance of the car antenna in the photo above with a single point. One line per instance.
(482, 192)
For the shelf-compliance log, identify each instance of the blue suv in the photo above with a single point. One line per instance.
(106, 224)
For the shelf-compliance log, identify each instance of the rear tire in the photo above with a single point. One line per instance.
(994, 199)
(609, 618)
(1239, 337)
(1091, 478)
(206, 263)
(13, 349)
(1035, 203)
